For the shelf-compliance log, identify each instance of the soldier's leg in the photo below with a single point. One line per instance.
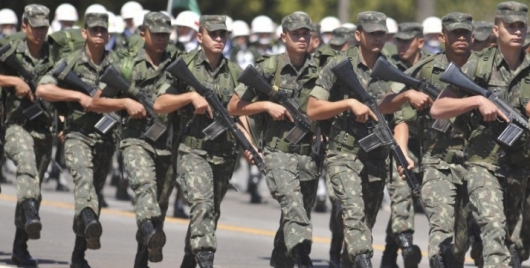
(461, 232)
(514, 192)
(336, 225)
(524, 234)
(486, 198)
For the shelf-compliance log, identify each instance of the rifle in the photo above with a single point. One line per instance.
(517, 124)
(113, 79)
(108, 120)
(222, 120)
(35, 109)
(385, 71)
(302, 125)
(381, 133)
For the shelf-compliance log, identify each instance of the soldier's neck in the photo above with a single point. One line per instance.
(95, 54)
(458, 59)
(511, 55)
(35, 50)
(413, 60)
(296, 59)
(368, 58)
(153, 57)
(214, 59)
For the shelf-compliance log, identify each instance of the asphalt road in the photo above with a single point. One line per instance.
(245, 231)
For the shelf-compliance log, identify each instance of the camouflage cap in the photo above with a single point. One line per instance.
(457, 20)
(97, 19)
(511, 12)
(37, 15)
(213, 22)
(315, 27)
(372, 21)
(295, 21)
(157, 22)
(409, 30)
(339, 36)
(482, 30)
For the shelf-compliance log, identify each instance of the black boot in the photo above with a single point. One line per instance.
(301, 255)
(188, 261)
(279, 258)
(140, 260)
(32, 224)
(155, 238)
(78, 255)
(410, 252)
(446, 258)
(390, 254)
(21, 256)
(205, 258)
(93, 229)
(515, 261)
(335, 249)
(363, 261)
(121, 191)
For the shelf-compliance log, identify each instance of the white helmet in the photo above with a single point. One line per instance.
(229, 24)
(391, 25)
(8, 16)
(349, 25)
(432, 25)
(95, 8)
(130, 9)
(138, 19)
(240, 28)
(328, 24)
(262, 24)
(66, 12)
(188, 19)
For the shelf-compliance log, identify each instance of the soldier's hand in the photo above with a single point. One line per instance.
(61, 136)
(135, 109)
(490, 112)
(86, 102)
(249, 158)
(418, 100)
(201, 105)
(362, 112)
(400, 169)
(278, 112)
(22, 90)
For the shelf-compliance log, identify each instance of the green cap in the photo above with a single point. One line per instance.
(97, 19)
(482, 30)
(409, 30)
(37, 15)
(213, 22)
(157, 22)
(295, 21)
(457, 20)
(511, 12)
(372, 21)
(339, 36)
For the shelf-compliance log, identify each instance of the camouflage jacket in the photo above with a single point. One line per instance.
(324, 54)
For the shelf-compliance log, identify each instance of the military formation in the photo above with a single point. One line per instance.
(436, 113)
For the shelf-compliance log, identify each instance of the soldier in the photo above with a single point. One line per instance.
(292, 175)
(483, 36)
(8, 22)
(28, 142)
(494, 169)
(204, 167)
(87, 151)
(147, 162)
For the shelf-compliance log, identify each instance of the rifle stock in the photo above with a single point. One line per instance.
(223, 121)
(518, 123)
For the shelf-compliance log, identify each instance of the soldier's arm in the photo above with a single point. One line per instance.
(107, 105)
(449, 104)
(21, 87)
(391, 102)
(49, 91)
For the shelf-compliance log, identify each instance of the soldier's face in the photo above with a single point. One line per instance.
(510, 34)
(408, 49)
(297, 41)
(212, 41)
(96, 36)
(458, 41)
(156, 42)
(35, 35)
(373, 41)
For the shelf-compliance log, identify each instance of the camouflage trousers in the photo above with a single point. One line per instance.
(204, 185)
(87, 159)
(30, 149)
(446, 204)
(292, 181)
(521, 234)
(336, 225)
(359, 187)
(150, 176)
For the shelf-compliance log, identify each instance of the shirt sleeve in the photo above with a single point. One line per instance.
(324, 84)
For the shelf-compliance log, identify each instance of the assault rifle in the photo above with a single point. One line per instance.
(302, 125)
(108, 120)
(9, 59)
(222, 120)
(156, 128)
(385, 71)
(381, 133)
(517, 124)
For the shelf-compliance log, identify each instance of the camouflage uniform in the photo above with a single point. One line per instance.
(497, 175)
(358, 177)
(292, 175)
(204, 167)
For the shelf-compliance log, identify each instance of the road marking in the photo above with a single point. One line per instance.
(224, 227)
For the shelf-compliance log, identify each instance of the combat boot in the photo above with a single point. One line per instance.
(301, 255)
(515, 261)
(410, 252)
(93, 229)
(205, 258)
(389, 259)
(446, 257)
(335, 249)
(140, 260)
(279, 259)
(188, 261)
(363, 261)
(78, 255)
(21, 256)
(32, 223)
(154, 238)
